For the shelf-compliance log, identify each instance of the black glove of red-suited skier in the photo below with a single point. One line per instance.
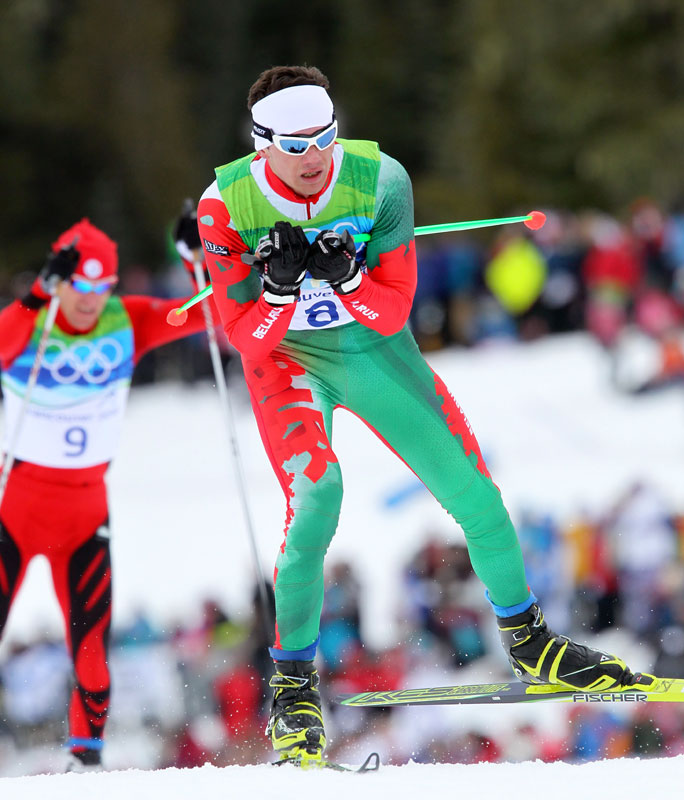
(58, 267)
(187, 239)
(332, 258)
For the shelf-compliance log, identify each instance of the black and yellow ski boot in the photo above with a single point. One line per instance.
(296, 722)
(540, 656)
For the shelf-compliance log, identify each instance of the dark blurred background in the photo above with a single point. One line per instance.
(118, 110)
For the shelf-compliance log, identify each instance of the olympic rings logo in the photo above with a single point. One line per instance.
(94, 362)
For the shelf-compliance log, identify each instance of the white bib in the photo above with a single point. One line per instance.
(72, 437)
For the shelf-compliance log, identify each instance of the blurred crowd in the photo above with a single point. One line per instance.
(196, 694)
(580, 271)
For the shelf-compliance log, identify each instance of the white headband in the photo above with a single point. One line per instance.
(289, 110)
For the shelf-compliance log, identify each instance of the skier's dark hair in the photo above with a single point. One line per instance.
(276, 78)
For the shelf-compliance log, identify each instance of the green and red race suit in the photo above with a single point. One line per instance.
(327, 351)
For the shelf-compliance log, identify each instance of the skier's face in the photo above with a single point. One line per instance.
(307, 174)
(82, 310)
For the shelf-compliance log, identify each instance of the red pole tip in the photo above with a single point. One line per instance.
(176, 318)
(537, 219)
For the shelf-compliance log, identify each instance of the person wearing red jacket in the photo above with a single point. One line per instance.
(55, 502)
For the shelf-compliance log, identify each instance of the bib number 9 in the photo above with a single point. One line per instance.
(77, 441)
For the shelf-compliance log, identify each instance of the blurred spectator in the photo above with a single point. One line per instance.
(36, 683)
(340, 630)
(595, 578)
(562, 298)
(596, 735)
(516, 275)
(644, 544)
(429, 311)
(670, 660)
(547, 565)
(611, 272)
(673, 248)
(647, 225)
(463, 261)
(439, 606)
(139, 631)
(647, 738)
(186, 752)
(238, 693)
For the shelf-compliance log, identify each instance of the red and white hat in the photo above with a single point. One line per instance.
(99, 258)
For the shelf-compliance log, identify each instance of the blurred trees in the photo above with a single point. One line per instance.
(118, 110)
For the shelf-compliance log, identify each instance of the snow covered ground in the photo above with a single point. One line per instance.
(624, 779)
(556, 438)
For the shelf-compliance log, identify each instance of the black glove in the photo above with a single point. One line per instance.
(185, 232)
(284, 263)
(58, 267)
(187, 239)
(332, 258)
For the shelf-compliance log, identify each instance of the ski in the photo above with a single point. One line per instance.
(663, 690)
(371, 764)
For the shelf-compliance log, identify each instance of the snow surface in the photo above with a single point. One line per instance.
(557, 438)
(625, 779)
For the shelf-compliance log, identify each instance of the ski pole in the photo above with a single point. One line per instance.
(534, 220)
(224, 397)
(31, 382)
(229, 419)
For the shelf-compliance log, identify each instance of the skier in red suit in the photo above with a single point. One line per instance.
(55, 503)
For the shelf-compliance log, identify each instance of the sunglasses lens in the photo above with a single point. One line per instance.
(326, 138)
(295, 147)
(85, 287)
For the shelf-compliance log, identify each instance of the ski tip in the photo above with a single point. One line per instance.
(176, 317)
(349, 699)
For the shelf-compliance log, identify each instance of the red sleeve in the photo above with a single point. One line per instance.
(150, 328)
(384, 298)
(16, 326)
(252, 326)
(17, 321)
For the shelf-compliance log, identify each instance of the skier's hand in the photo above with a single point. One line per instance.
(284, 263)
(187, 240)
(332, 258)
(185, 233)
(58, 267)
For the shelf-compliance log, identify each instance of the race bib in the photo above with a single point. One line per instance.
(71, 437)
(318, 306)
(77, 403)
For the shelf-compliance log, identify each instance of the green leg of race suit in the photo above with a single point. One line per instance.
(387, 383)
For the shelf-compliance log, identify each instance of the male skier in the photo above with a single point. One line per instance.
(55, 503)
(324, 326)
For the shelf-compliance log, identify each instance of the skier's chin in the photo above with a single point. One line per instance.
(83, 320)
